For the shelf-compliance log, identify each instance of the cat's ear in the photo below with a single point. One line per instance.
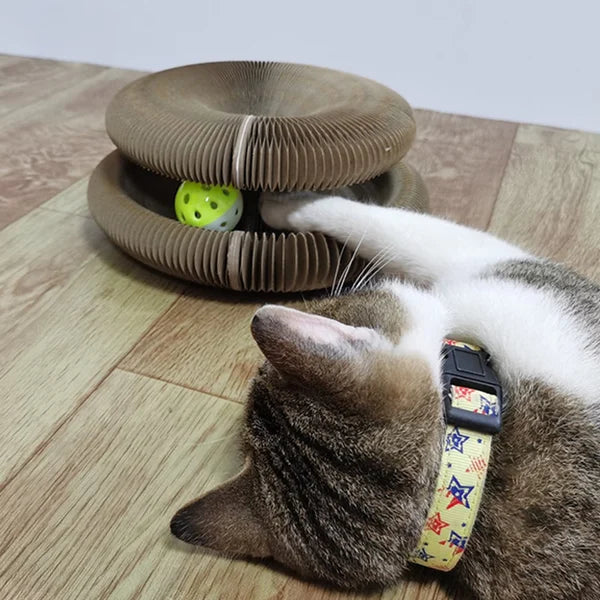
(306, 346)
(224, 520)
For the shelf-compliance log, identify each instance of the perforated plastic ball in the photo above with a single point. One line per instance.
(215, 207)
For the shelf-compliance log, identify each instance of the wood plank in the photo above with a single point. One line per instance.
(88, 516)
(565, 140)
(27, 80)
(548, 202)
(46, 251)
(203, 342)
(68, 327)
(72, 200)
(99, 496)
(9, 59)
(462, 160)
(50, 144)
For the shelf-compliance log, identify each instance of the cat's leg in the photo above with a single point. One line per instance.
(423, 248)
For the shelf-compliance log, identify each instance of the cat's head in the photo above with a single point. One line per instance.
(342, 437)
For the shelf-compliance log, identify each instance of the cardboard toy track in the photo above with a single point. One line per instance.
(259, 126)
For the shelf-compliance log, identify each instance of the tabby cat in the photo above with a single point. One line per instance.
(344, 427)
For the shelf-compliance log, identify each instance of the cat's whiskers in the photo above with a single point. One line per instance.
(304, 300)
(379, 269)
(366, 269)
(337, 267)
(373, 265)
(346, 271)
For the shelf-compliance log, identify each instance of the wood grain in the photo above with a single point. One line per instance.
(203, 342)
(462, 161)
(72, 201)
(549, 198)
(100, 496)
(28, 80)
(37, 267)
(97, 452)
(51, 143)
(68, 327)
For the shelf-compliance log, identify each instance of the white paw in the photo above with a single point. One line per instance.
(295, 211)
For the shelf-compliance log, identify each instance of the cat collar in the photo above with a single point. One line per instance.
(473, 413)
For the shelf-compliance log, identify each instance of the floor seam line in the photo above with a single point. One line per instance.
(181, 385)
(63, 212)
(504, 169)
(64, 421)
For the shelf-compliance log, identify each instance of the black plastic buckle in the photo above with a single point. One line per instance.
(471, 369)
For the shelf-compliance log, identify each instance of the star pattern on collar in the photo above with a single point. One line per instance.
(458, 541)
(455, 440)
(422, 555)
(460, 493)
(436, 524)
(488, 406)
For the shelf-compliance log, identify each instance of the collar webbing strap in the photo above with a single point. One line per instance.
(465, 456)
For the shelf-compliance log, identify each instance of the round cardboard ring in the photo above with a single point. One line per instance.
(135, 209)
(261, 125)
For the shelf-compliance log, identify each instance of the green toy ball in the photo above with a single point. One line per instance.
(215, 207)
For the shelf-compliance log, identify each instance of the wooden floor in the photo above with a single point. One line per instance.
(121, 390)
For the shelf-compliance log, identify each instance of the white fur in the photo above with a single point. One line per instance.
(424, 248)
(529, 332)
(427, 322)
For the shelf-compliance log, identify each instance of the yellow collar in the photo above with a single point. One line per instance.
(473, 407)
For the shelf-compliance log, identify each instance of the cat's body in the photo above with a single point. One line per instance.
(345, 428)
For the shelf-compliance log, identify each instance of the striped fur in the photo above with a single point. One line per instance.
(344, 427)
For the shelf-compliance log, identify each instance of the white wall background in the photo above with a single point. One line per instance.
(529, 60)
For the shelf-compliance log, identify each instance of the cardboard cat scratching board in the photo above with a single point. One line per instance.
(258, 126)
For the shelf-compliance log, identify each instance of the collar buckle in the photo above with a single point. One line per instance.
(468, 367)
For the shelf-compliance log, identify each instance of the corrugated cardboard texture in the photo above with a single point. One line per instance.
(261, 125)
(135, 209)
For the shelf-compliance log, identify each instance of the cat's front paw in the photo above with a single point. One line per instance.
(294, 211)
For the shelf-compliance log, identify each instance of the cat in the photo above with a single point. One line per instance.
(344, 426)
